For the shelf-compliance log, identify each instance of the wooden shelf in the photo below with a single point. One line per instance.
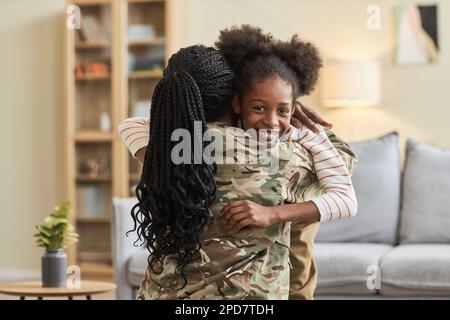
(152, 42)
(90, 45)
(93, 136)
(145, 1)
(93, 78)
(93, 178)
(135, 176)
(120, 94)
(95, 257)
(96, 270)
(146, 74)
(96, 219)
(91, 2)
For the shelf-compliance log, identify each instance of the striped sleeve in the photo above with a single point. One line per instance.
(339, 198)
(135, 132)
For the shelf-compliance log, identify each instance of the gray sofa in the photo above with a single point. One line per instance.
(398, 246)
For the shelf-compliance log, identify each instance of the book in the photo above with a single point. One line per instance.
(91, 30)
(90, 200)
(138, 32)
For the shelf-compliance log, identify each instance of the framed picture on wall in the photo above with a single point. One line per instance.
(417, 34)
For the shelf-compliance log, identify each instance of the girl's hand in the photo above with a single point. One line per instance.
(305, 115)
(240, 214)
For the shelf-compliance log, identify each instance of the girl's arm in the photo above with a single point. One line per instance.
(135, 132)
(337, 201)
(343, 148)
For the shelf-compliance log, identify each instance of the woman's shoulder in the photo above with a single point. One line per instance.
(231, 136)
(297, 154)
(225, 128)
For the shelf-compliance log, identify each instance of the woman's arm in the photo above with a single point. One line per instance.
(135, 132)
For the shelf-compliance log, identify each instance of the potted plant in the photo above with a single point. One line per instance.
(55, 234)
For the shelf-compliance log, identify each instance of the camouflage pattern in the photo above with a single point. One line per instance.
(252, 263)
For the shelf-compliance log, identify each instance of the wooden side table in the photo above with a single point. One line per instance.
(35, 289)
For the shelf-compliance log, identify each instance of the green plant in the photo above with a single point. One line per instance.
(56, 232)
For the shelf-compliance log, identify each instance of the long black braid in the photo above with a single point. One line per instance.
(172, 212)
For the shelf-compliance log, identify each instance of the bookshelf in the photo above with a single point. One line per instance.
(113, 64)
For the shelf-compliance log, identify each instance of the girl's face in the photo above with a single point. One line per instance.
(267, 105)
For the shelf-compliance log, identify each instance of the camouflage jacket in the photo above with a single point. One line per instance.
(252, 263)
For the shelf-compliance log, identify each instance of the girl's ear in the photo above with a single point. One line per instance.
(236, 105)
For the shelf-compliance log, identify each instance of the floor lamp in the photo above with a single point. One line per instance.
(351, 84)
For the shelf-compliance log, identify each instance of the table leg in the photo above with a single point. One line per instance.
(70, 298)
(39, 297)
(22, 297)
(88, 297)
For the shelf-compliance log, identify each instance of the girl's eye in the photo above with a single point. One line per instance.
(284, 111)
(258, 108)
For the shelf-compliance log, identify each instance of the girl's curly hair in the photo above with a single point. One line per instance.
(256, 56)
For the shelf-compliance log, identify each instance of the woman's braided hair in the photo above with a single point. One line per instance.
(172, 212)
(256, 56)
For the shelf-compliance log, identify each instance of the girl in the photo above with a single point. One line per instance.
(239, 264)
(251, 53)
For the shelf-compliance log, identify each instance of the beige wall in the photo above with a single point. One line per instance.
(415, 98)
(31, 110)
(31, 103)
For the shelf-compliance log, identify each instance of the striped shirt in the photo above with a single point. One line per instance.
(339, 199)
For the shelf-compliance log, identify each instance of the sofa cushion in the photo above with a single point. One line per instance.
(376, 179)
(137, 266)
(416, 269)
(426, 205)
(345, 268)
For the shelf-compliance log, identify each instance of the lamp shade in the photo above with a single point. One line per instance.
(351, 84)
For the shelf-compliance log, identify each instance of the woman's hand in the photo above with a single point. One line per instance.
(305, 115)
(240, 214)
